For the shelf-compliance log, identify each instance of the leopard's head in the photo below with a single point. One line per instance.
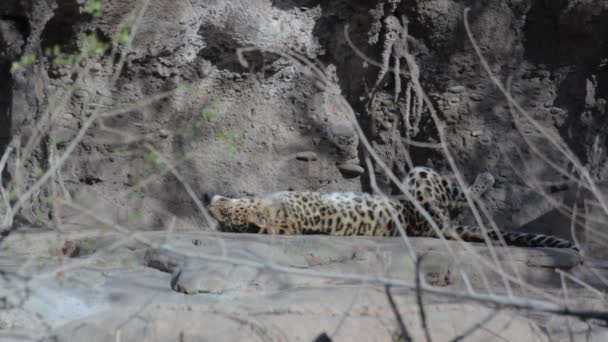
(233, 214)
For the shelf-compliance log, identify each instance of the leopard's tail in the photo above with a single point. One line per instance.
(533, 240)
(474, 234)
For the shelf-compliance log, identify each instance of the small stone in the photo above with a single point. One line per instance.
(600, 105)
(548, 104)
(57, 72)
(81, 93)
(457, 89)
(555, 110)
(476, 133)
(342, 130)
(476, 97)
(163, 133)
(291, 128)
(103, 92)
(96, 67)
(351, 170)
(387, 102)
(307, 156)
(454, 100)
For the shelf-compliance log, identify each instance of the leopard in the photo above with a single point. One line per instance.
(364, 214)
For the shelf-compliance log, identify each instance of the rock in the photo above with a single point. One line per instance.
(307, 156)
(457, 89)
(57, 72)
(476, 133)
(163, 133)
(555, 110)
(92, 301)
(600, 105)
(476, 97)
(342, 130)
(96, 67)
(351, 170)
(558, 258)
(81, 93)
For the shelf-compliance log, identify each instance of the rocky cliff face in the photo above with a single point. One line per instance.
(238, 130)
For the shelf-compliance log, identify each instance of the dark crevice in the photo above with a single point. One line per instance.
(571, 42)
(62, 30)
(557, 36)
(221, 51)
(90, 180)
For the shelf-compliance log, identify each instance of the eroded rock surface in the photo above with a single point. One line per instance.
(277, 288)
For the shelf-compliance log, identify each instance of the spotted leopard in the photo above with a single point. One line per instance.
(356, 213)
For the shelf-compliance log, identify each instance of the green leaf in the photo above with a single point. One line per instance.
(94, 7)
(25, 60)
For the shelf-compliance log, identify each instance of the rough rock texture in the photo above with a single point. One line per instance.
(239, 130)
(110, 285)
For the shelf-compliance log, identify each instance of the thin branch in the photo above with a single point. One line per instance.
(421, 311)
(7, 222)
(189, 190)
(476, 326)
(404, 332)
(145, 102)
(584, 284)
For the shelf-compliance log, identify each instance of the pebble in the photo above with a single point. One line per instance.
(387, 102)
(342, 130)
(81, 93)
(454, 100)
(96, 67)
(476, 133)
(476, 97)
(163, 133)
(555, 110)
(457, 89)
(307, 156)
(351, 170)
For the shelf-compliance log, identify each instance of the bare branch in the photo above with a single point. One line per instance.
(404, 332)
(478, 325)
(421, 311)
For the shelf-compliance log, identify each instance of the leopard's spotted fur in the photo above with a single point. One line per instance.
(354, 213)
